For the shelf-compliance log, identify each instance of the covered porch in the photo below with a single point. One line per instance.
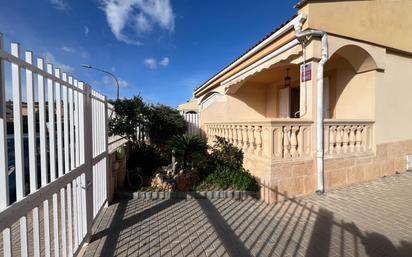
(269, 110)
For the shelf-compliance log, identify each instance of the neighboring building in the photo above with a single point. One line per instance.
(190, 106)
(266, 101)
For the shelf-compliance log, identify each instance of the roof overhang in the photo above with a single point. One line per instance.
(287, 51)
(275, 36)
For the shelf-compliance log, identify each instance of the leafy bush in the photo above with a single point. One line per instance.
(223, 168)
(189, 150)
(164, 123)
(226, 154)
(147, 157)
(130, 114)
(226, 178)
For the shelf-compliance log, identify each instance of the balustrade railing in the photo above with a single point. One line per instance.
(278, 139)
(348, 137)
(283, 139)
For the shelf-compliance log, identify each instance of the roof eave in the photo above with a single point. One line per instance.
(271, 37)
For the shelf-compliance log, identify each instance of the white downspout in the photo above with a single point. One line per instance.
(302, 36)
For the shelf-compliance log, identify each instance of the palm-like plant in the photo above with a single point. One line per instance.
(188, 149)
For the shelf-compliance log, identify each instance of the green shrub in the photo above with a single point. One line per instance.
(147, 157)
(164, 123)
(226, 178)
(189, 150)
(226, 155)
(129, 115)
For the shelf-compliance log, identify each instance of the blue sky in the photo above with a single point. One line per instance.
(161, 49)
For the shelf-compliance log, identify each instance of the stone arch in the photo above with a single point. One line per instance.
(358, 57)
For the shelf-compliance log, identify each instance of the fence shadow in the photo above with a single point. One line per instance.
(238, 228)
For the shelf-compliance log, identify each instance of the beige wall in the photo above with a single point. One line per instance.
(394, 100)
(249, 103)
(352, 95)
(383, 22)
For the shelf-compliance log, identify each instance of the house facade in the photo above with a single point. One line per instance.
(323, 101)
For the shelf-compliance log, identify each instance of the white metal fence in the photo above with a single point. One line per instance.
(52, 190)
(193, 124)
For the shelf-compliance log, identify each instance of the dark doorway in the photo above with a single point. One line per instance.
(294, 102)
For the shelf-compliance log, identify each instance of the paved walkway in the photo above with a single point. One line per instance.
(369, 219)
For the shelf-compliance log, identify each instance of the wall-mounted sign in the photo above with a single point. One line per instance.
(305, 72)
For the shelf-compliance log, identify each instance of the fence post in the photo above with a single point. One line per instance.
(88, 158)
(106, 137)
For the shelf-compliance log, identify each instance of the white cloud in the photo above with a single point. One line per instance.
(68, 49)
(142, 23)
(164, 62)
(59, 4)
(84, 54)
(140, 15)
(109, 81)
(86, 31)
(152, 63)
(49, 58)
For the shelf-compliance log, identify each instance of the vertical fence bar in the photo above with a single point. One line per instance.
(66, 126)
(71, 130)
(75, 215)
(69, 221)
(63, 221)
(59, 125)
(81, 123)
(43, 154)
(42, 124)
(56, 226)
(46, 223)
(76, 124)
(31, 124)
(4, 176)
(18, 145)
(50, 103)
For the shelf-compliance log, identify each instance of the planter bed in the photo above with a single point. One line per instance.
(153, 195)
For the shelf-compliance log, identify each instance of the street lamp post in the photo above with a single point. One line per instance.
(88, 66)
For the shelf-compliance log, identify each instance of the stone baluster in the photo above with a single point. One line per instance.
(240, 136)
(345, 139)
(294, 141)
(245, 138)
(251, 138)
(234, 134)
(258, 139)
(325, 139)
(352, 138)
(332, 139)
(228, 134)
(338, 147)
(365, 139)
(358, 138)
(301, 142)
(286, 142)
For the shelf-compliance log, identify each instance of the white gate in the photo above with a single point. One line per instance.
(192, 120)
(58, 146)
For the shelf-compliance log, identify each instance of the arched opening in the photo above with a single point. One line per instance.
(350, 84)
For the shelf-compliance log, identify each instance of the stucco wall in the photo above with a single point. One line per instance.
(249, 103)
(394, 100)
(354, 94)
(384, 22)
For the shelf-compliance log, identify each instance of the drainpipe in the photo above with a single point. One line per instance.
(302, 36)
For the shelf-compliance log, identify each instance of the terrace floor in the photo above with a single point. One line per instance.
(368, 219)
